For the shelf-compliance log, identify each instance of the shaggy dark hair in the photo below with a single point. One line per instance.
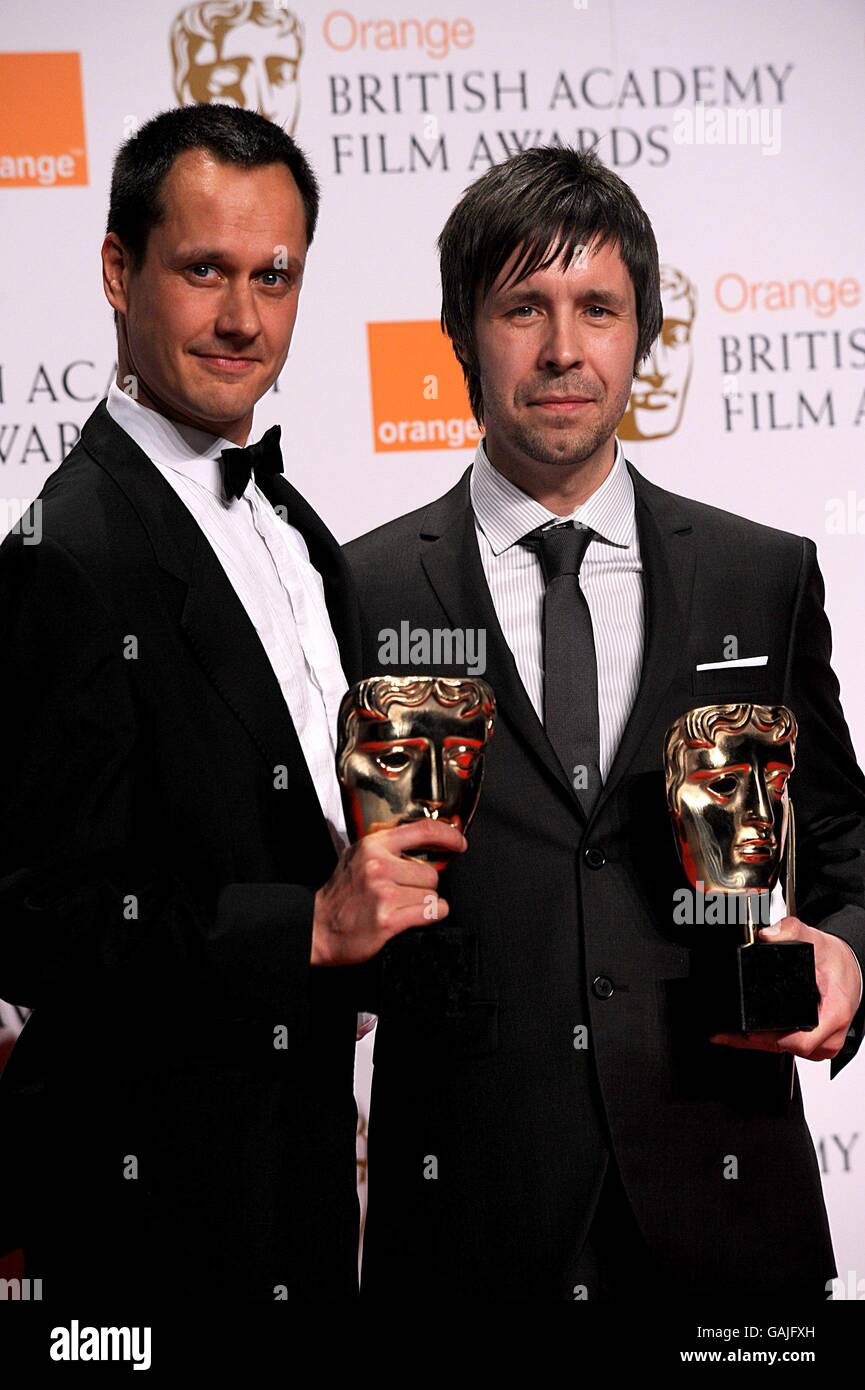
(547, 202)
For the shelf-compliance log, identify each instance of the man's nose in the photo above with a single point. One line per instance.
(563, 346)
(238, 313)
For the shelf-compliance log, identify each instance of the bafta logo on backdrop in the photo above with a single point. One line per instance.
(242, 53)
(658, 395)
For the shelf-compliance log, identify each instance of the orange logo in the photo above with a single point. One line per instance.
(42, 142)
(419, 398)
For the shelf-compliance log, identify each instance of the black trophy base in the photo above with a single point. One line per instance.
(764, 988)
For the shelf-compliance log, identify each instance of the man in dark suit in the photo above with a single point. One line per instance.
(550, 1117)
(177, 905)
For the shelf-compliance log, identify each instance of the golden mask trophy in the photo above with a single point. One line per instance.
(412, 748)
(727, 770)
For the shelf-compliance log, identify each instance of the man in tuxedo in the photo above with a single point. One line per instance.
(177, 904)
(549, 1118)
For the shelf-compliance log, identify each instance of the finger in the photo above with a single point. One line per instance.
(398, 896)
(417, 915)
(801, 1044)
(414, 873)
(791, 925)
(376, 859)
(422, 832)
(788, 930)
(758, 1042)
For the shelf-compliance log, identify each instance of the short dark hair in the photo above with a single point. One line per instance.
(230, 133)
(545, 197)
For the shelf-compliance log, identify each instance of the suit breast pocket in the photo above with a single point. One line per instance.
(736, 684)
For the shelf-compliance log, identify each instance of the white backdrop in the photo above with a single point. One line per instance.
(740, 129)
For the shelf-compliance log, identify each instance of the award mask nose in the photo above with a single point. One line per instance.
(429, 780)
(758, 805)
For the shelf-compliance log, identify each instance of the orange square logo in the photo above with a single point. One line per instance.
(42, 142)
(419, 398)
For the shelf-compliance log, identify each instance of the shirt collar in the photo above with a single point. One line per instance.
(181, 448)
(505, 513)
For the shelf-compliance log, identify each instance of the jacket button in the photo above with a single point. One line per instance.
(595, 858)
(602, 986)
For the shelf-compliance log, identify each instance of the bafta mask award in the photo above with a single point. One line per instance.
(727, 772)
(412, 748)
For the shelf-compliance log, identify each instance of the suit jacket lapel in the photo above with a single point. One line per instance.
(668, 555)
(452, 561)
(219, 631)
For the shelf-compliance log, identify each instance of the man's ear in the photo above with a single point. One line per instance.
(116, 269)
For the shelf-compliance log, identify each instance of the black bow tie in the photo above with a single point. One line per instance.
(238, 465)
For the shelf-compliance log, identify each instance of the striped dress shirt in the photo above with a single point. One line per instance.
(610, 578)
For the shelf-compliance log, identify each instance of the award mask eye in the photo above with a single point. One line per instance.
(464, 761)
(776, 781)
(723, 787)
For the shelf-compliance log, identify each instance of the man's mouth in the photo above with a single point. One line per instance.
(225, 362)
(562, 403)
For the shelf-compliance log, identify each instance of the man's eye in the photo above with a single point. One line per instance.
(600, 307)
(201, 265)
(723, 786)
(273, 277)
(522, 309)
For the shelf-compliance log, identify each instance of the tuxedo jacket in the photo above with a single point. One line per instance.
(491, 1125)
(179, 1111)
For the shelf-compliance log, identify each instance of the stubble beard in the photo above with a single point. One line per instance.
(571, 445)
(568, 450)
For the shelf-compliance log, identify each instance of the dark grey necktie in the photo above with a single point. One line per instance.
(570, 664)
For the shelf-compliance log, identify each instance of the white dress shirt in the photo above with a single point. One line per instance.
(267, 564)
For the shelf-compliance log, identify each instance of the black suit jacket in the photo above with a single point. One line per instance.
(178, 1112)
(489, 1129)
